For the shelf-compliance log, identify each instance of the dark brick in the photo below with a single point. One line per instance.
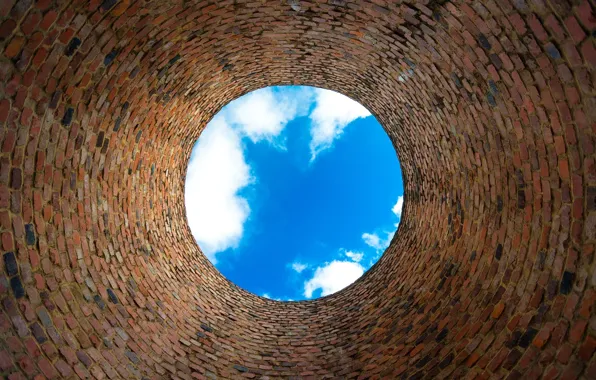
(16, 178)
(446, 361)
(99, 142)
(494, 58)
(511, 359)
(521, 199)
(567, 282)
(110, 57)
(456, 80)
(527, 338)
(17, 287)
(67, 118)
(44, 317)
(112, 296)
(106, 5)
(99, 301)
(423, 361)
(491, 99)
(442, 335)
(174, 60)
(30, 234)
(514, 339)
(54, 101)
(591, 198)
(552, 51)
(72, 46)
(10, 264)
(495, 90)
(117, 124)
(131, 356)
(499, 251)
(483, 41)
(38, 333)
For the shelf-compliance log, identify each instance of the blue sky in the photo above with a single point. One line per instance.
(293, 192)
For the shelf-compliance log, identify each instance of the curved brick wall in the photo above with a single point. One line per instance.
(490, 105)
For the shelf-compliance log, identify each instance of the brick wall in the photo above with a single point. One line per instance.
(490, 106)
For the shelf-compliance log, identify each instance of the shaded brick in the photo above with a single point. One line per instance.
(29, 234)
(10, 264)
(72, 47)
(17, 287)
(567, 282)
(67, 118)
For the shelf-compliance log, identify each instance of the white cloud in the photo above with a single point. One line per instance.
(264, 113)
(372, 240)
(299, 267)
(216, 172)
(377, 242)
(398, 206)
(333, 277)
(355, 256)
(331, 115)
(268, 296)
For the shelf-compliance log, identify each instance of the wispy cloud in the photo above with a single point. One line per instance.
(333, 277)
(263, 114)
(375, 241)
(298, 266)
(355, 256)
(268, 296)
(399, 205)
(217, 171)
(331, 115)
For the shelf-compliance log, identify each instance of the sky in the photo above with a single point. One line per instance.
(293, 192)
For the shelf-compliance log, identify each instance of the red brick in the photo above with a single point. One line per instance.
(537, 28)
(47, 368)
(585, 13)
(588, 51)
(6, 362)
(48, 19)
(575, 30)
(587, 349)
(14, 47)
(577, 330)
(6, 28)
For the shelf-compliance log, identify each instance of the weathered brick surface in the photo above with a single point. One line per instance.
(490, 106)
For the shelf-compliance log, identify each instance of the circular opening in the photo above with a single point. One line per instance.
(292, 192)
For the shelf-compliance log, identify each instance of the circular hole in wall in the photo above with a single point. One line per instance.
(293, 192)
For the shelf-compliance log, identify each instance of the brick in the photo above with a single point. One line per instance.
(588, 51)
(14, 47)
(6, 362)
(47, 368)
(498, 310)
(488, 105)
(587, 349)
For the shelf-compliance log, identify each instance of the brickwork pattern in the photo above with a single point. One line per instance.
(490, 106)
